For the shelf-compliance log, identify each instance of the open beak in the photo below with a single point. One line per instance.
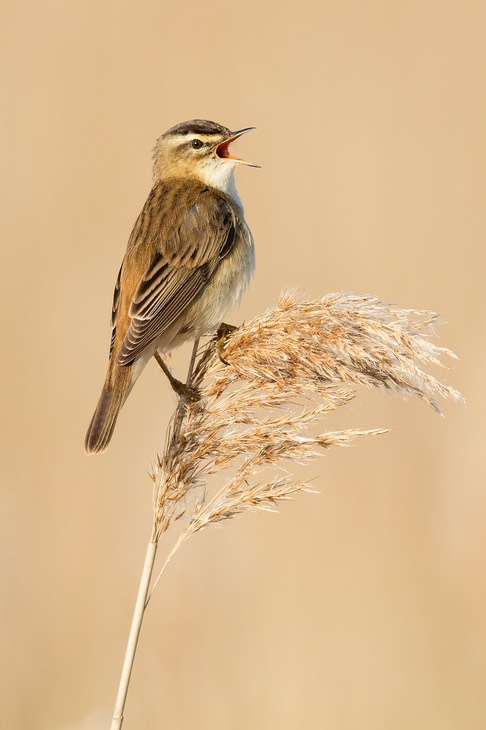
(222, 150)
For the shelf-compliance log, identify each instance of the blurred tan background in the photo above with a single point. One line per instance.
(362, 607)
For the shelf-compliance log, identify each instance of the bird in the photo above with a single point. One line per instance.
(189, 258)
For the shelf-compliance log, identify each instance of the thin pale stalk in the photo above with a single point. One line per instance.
(143, 589)
(182, 538)
(135, 628)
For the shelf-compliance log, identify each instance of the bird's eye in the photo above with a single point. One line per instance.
(196, 144)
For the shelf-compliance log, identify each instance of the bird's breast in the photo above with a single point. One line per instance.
(225, 289)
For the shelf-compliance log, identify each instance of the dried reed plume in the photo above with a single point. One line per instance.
(258, 403)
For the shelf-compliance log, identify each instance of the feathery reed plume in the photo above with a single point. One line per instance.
(258, 402)
(316, 352)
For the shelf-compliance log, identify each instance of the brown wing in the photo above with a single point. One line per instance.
(189, 247)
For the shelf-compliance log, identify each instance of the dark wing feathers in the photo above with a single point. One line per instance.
(200, 234)
(150, 324)
(114, 310)
(147, 293)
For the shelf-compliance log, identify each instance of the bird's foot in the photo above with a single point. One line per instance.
(182, 389)
(222, 336)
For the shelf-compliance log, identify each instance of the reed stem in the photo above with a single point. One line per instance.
(135, 628)
(143, 588)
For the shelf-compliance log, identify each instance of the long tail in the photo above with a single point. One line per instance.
(114, 394)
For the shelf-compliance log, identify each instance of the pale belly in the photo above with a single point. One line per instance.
(219, 298)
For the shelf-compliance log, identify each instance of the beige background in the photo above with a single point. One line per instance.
(362, 607)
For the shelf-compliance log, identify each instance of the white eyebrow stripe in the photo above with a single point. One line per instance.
(178, 139)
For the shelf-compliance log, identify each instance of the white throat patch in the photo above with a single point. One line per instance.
(220, 174)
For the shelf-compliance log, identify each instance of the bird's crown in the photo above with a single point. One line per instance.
(198, 126)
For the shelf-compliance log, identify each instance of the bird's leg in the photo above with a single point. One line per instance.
(222, 336)
(182, 390)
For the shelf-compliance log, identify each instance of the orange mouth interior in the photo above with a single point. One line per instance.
(222, 151)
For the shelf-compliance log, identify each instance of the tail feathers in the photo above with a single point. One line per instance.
(113, 396)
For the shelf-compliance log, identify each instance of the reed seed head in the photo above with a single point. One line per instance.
(288, 368)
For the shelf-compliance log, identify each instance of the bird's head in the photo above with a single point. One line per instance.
(198, 149)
